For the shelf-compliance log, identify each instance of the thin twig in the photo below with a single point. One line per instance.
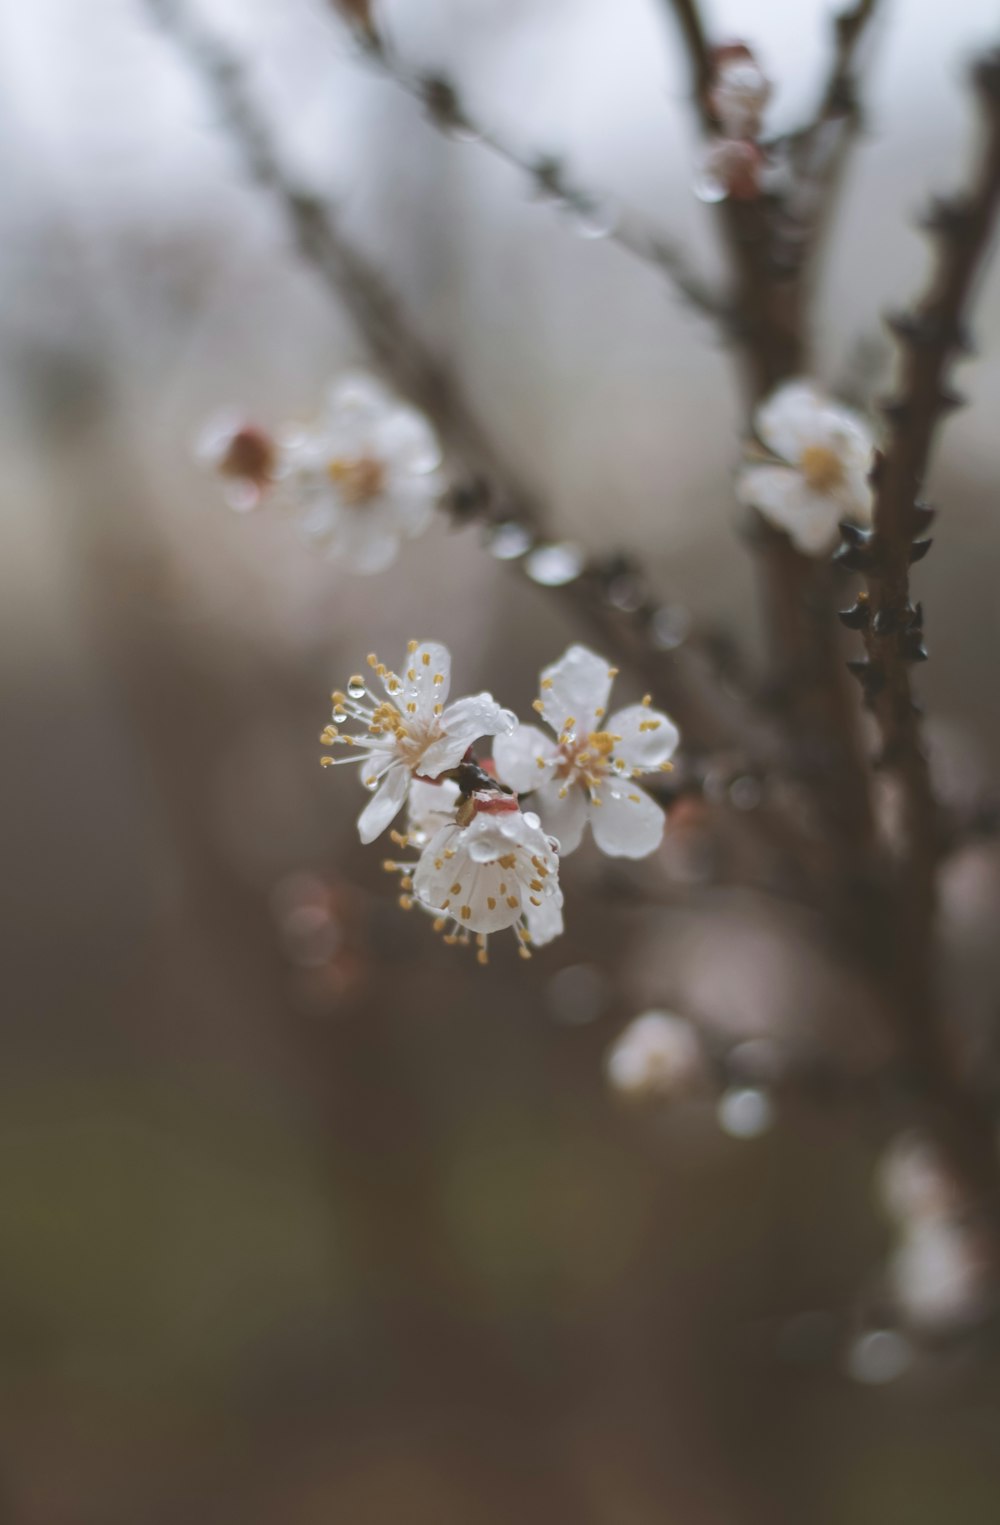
(550, 178)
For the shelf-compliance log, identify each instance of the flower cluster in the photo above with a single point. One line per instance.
(485, 862)
(737, 95)
(810, 470)
(358, 481)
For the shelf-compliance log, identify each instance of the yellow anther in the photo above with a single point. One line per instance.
(426, 659)
(491, 902)
(647, 700)
(482, 957)
(326, 762)
(465, 912)
(406, 901)
(546, 683)
(536, 704)
(512, 901)
(412, 645)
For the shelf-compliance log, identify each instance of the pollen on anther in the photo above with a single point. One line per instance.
(326, 762)
(546, 683)
(491, 902)
(456, 889)
(440, 922)
(512, 901)
(426, 659)
(411, 708)
(406, 901)
(411, 646)
(647, 700)
(536, 704)
(465, 912)
(482, 957)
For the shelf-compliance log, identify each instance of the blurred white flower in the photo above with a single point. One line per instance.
(588, 772)
(410, 732)
(365, 477)
(657, 1054)
(914, 1182)
(822, 454)
(739, 92)
(941, 1275)
(496, 870)
(243, 454)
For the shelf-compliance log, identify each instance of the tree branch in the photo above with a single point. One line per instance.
(548, 176)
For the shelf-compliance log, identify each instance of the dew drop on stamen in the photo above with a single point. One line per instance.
(356, 689)
(597, 219)
(670, 626)
(552, 566)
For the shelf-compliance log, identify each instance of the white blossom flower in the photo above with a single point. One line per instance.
(819, 476)
(657, 1054)
(739, 93)
(589, 771)
(491, 868)
(942, 1275)
(413, 731)
(365, 477)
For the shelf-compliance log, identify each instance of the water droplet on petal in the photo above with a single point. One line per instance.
(510, 540)
(555, 565)
(745, 1112)
(879, 1356)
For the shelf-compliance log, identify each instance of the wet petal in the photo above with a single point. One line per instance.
(648, 737)
(545, 921)
(525, 758)
(464, 722)
(426, 679)
(385, 804)
(627, 823)
(574, 691)
(563, 811)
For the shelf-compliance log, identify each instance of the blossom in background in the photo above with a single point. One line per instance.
(739, 91)
(818, 475)
(490, 869)
(657, 1054)
(365, 477)
(243, 454)
(410, 732)
(589, 771)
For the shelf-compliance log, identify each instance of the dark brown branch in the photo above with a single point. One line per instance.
(930, 338)
(550, 178)
(766, 248)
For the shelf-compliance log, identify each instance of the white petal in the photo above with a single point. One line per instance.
(574, 691)
(414, 501)
(464, 722)
(385, 804)
(545, 921)
(855, 498)
(627, 823)
(431, 807)
(781, 495)
(525, 758)
(648, 737)
(426, 678)
(406, 440)
(791, 418)
(366, 554)
(564, 815)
